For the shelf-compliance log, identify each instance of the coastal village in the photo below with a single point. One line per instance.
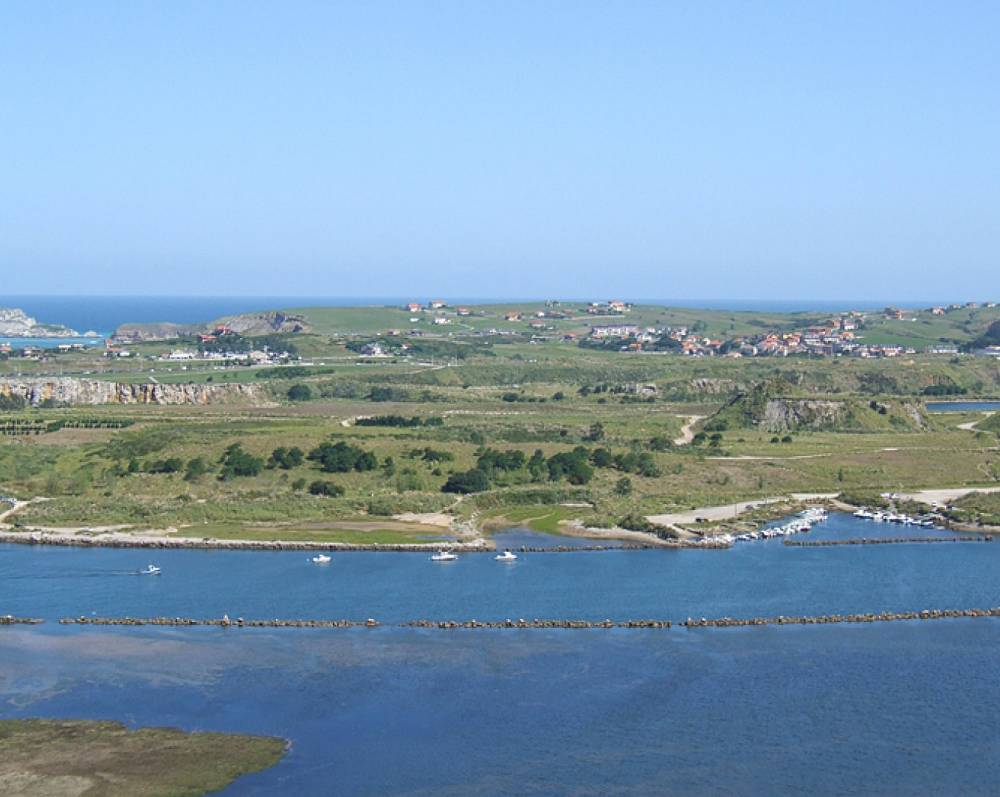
(611, 325)
(842, 335)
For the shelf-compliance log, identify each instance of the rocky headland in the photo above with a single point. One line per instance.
(15, 323)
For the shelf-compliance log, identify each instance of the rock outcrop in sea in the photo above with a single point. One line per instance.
(15, 323)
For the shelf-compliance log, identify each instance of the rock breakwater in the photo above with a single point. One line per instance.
(9, 619)
(885, 541)
(534, 624)
(223, 622)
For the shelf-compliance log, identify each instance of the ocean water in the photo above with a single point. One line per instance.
(51, 343)
(889, 708)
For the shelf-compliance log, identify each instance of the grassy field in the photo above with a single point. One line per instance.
(86, 475)
(977, 508)
(855, 425)
(546, 519)
(66, 758)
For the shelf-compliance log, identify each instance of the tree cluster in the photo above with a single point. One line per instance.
(342, 458)
(399, 421)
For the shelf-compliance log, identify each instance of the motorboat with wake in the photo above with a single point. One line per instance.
(150, 570)
(321, 559)
(506, 556)
(444, 556)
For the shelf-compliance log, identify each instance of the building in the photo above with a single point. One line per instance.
(414, 307)
(614, 331)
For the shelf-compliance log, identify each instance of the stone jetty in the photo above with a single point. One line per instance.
(224, 622)
(880, 617)
(444, 624)
(884, 541)
(721, 622)
(9, 619)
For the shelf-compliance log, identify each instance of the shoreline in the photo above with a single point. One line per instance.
(611, 539)
(480, 545)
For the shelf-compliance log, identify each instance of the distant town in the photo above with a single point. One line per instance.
(610, 325)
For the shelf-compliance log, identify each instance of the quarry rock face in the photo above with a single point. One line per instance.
(782, 415)
(83, 392)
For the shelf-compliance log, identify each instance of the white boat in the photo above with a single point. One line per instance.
(444, 556)
(150, 570)
(506, 556)
(321, 559)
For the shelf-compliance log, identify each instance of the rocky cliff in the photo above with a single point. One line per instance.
(74, 392)
(270, 322)
(137, 333)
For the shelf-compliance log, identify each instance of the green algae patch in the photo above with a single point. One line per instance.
(82, 758)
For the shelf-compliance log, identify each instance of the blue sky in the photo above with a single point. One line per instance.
(663, 150)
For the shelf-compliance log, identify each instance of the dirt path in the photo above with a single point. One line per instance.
(687, 433)
(746, 457)
(727, 511)
(970, 426)
(946, 495)
(16, 507)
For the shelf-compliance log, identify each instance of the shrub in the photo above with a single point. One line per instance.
(464, 482)
(300, 392)
(11, 402)
(325, 489)
(237, 462)
(342, 457)
(171, 465)
(195, 469)
(572, 465)
(286, 458)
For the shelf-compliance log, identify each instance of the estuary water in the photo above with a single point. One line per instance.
(907, 708)
(962, 406)
(751, 579)
(889, 708)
